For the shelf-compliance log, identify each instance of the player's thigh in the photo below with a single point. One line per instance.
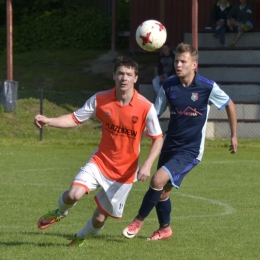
(177, 165)
(89, 177)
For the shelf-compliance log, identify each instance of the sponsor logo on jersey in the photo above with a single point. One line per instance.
(189, 111)
(194, 96)
(121, 130)
(134, 119)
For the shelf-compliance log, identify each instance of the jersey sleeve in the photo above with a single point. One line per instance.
(160, 102)
(87, 111)
(218, 97)
(152, 124)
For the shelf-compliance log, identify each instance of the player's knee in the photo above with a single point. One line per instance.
(75, 195)
(98, 223)
(98, 219)
(157, 182)
(165, 195)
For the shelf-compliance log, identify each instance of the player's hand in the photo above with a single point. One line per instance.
(40, 121)
(143, 174)
(233, 147)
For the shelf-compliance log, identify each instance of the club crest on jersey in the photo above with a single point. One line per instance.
(194, 96)
(134, 119)
(107, 114)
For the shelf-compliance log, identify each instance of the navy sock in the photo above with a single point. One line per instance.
(149, 201)
(163, 209)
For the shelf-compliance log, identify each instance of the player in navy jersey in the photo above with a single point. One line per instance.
(189, 96)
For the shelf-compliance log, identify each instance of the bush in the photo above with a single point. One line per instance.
(79, 29)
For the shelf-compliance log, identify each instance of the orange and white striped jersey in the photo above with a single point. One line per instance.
(122, 127)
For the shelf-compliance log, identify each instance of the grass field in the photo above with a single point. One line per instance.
(215, 213)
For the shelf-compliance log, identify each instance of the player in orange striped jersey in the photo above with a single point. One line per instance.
(124, 114)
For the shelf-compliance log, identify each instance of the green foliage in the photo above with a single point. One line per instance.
(78, 29)
(56, 24)
(123, 22)
(2, 37)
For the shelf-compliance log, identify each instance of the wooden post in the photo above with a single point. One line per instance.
(195, 24)
(9, 40)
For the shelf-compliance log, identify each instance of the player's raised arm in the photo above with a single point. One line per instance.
(64, 121)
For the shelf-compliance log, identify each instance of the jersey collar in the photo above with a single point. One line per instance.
(133, 100)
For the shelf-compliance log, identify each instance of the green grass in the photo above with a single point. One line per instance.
(215, 214)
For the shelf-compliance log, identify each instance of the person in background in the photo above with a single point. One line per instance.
(189, 96)
(113, 167)
(219, 17)
(240, 18)
(165, 67)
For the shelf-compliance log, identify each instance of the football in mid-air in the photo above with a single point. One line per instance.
(151, 35)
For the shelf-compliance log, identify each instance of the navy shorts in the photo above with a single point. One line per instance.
(177, 165)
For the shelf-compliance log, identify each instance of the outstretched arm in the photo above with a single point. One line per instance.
(232, 118)
(65, 121)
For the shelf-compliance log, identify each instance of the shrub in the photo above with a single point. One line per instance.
(78, 29)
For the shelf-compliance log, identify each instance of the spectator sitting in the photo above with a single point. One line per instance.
(165, 67)
(219, 18)
(241, 18)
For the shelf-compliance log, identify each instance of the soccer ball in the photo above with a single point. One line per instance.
(151, 35)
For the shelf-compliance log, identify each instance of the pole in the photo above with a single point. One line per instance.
(9, 40)
(195, 24)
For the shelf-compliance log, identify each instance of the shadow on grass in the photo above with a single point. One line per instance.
(69, 237)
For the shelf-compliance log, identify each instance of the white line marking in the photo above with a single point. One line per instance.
(227, 209)
(236, 162)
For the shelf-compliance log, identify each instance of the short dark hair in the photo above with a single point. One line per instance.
(183, 47)
(126, 62)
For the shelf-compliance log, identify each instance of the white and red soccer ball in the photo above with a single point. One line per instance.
(151, 35)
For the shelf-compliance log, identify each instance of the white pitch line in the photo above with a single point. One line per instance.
(236, 162)
(228, 210)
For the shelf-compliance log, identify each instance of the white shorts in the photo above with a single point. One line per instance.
(111, 198)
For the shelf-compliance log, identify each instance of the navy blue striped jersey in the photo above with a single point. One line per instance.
(189, 108)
